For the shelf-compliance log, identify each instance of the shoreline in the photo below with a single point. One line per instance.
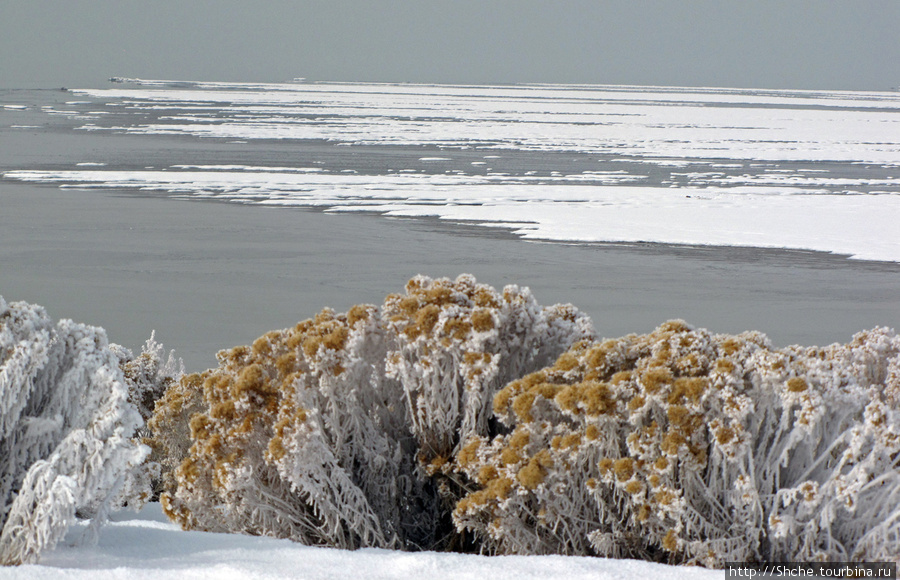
(212, 276)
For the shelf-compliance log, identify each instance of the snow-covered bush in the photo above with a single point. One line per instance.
(65, 429)
(295, 437)
(684, 446)
(147, 377)
(457, 344)
(149, 374)
(169, 426)
(321, 432)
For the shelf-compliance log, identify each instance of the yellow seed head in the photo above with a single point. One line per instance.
(796, 385)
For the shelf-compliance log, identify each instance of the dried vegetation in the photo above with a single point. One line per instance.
(458, 417)
(327, 432)
(683, 446)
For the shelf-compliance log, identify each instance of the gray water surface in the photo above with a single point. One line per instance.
(207, 276)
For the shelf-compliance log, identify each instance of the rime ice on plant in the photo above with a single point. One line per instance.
(65, 429)
(458, 343)
(148, 376)
(686, 446)
(319, 432)
(285, 437)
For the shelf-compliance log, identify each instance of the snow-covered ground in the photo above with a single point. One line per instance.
(813, 170)
(146, 545)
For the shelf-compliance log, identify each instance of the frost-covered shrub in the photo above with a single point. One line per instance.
(169, 426)
(149, 374)
(684, 446)
(297, 438)
(320, 432)
(65, 429)
(457, 344)
(147, 377)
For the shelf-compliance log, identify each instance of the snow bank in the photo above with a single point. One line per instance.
(147, 547)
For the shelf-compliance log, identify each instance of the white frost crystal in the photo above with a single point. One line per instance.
(685, 446)
(325, 432)
(65, 429)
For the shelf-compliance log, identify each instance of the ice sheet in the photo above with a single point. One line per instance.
(643, 122)
(862, 226)
(817, 170)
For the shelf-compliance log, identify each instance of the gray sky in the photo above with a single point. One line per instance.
(848, 44)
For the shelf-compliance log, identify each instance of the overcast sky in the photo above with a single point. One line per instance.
(848, 44)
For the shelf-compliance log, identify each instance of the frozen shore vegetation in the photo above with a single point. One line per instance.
(458, 418)
(66, 426)
(685, 446)
(326, 432)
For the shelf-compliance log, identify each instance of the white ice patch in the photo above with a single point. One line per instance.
(662, 125)
(254, 168)
(862, 226)
(797, 146)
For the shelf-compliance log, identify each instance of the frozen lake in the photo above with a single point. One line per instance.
(674, 203)
(812, 170)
